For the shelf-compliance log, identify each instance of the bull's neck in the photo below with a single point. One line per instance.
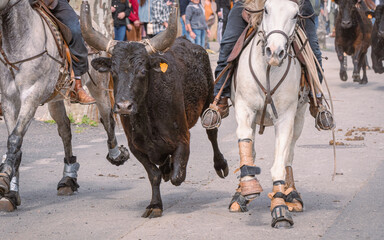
(19, 26)
(141, 121)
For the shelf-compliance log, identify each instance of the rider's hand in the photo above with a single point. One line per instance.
(113, 9)
(165, 24)
(208, 32)
(121, 15)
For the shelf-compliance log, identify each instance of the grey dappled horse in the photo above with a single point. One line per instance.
(30, 84)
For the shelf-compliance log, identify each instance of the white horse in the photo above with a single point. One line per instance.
(269, 55)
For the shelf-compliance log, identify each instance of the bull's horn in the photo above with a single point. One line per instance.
(3, 3)
(165, 39)
(91, 36)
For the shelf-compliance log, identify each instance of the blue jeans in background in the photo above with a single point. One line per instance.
(200, 37)
(120, 32)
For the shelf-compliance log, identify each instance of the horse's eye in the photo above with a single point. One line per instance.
(296, 16)
(265, 10)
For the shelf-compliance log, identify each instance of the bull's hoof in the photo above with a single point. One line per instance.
(178, 175)
(152, 211)
(356, 77)
(65, 191)
(4, 183)
(343, 76)
(6, 205)
(378, 69)
(364, 81)
(222, 168)
(121, 159)
(281, 217)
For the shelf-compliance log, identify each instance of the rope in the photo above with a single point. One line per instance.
(312, 66)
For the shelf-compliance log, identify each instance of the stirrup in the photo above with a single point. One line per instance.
(324, 119)
(211, 117)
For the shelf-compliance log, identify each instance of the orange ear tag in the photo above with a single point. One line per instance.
(163, 67)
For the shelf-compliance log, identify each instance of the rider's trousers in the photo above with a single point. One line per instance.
(65, 13)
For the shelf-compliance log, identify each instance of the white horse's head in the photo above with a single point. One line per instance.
(278, 24)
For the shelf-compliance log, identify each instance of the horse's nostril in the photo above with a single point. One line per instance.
(129, 107)
(281, 54)
(268, 51)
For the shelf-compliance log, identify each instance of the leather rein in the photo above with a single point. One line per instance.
(11, 65)
(267, 90)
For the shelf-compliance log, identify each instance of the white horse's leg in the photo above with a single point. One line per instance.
(9, 201)
(284, 128)
(9, 169)
(68, 183)
(117, 155)
(293, 199)
(249, 187)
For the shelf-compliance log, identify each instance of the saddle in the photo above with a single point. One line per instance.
(62, 35)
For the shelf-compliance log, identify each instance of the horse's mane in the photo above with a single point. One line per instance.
(254, 5)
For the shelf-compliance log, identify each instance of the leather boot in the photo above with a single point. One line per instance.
(323, 117)
(79, 95)
(223, 107)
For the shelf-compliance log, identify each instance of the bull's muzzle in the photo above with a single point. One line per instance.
(124, 107)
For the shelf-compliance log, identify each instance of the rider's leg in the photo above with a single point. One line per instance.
(65, 13)
(320, 111)
(235, 27)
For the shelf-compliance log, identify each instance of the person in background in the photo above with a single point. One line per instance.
(222, 11)
(120, 10)
(210, 19)
(134, 33)
(195, 22)
(159, 14)
(183, 7)
(144, 16)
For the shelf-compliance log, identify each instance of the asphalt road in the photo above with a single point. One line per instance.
(111, 199)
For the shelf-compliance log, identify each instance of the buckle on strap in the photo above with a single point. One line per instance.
(247, 170)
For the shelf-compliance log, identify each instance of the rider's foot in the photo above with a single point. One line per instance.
(79, 95)
(223, 107)
(323, 117)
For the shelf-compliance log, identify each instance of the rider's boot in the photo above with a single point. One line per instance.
(223, 107)
(79, 95)
(323, 117)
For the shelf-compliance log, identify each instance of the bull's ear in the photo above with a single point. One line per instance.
(159, 64)
(102, 64)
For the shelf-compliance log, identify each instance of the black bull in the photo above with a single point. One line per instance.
(378, 40)
(160, 97)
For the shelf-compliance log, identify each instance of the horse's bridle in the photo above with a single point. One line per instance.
(8, 8)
